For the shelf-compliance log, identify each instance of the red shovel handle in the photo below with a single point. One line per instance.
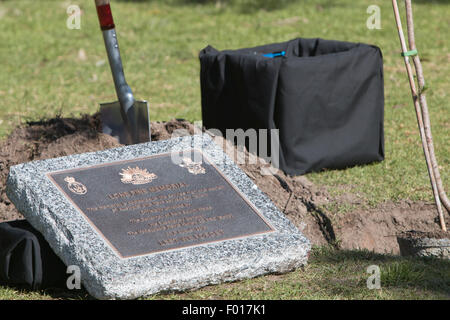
(104, 14)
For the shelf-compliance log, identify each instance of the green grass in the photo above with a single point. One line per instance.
(337, 275)
(47, 69)
(401, 273)
(330, 274)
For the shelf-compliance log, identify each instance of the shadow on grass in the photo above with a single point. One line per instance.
(432, 2)
(243, 6)
(430, 274)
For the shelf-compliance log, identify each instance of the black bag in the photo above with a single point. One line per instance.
(26, 259)
(325, 97)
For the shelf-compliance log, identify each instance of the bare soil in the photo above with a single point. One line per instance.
(302, 201)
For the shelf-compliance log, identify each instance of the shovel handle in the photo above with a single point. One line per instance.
(104, 14)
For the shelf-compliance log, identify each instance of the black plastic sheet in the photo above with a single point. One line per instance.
(26, 259)
(325, 97)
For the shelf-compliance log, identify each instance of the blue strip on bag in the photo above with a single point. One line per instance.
(275, 54)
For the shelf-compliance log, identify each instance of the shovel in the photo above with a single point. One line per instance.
(126, 119)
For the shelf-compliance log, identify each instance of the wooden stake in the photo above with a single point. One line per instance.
(423, 102)
(419, 116)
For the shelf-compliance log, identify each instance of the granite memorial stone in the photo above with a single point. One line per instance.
(165, 216)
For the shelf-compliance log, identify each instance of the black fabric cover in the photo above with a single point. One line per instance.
(325, 97)
(26, 259)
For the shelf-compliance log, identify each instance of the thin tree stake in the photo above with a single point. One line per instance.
(419, 115)
(423, 102)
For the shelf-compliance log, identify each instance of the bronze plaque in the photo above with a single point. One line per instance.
(154, 204)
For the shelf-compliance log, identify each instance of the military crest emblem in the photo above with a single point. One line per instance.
(193, 167)
(137, 176)
(75, 186)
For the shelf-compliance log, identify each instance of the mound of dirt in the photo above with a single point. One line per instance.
(301, 200)
(377, 229)
(61, 137)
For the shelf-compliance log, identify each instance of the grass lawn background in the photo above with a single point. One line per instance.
(47, 69)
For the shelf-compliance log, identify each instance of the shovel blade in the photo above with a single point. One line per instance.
(113, 125)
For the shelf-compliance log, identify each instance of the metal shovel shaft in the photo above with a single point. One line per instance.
(130, 132)
(123, 90)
